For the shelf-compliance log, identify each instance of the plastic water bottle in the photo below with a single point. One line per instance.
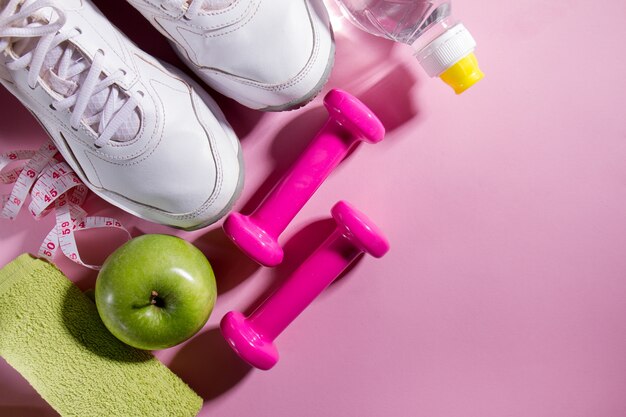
(442, 45)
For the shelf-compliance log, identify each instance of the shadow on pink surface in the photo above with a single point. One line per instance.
(18, 398)
(18, 128)
(208, 365)
(26, 411)
(388, 98)
(231, 266)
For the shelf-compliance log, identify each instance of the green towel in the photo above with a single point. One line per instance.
(52, 334)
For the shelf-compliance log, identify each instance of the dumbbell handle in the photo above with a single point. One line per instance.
(304, 177)
(304, 285)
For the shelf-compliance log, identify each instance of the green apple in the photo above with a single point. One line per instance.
(155, 291)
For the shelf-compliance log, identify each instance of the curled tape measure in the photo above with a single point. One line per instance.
(53, 186)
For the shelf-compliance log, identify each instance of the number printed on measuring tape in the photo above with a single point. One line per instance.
(69, 221)
(54, 181)
(27, 176)
(52, 185)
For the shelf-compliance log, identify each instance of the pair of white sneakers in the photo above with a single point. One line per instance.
(140, 133)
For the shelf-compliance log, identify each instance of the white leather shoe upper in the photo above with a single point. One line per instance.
(167, 154)
(266, 54)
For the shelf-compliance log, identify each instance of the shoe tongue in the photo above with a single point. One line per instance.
(210, 5)
(51, 74)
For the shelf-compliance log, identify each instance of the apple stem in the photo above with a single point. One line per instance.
(154, 295)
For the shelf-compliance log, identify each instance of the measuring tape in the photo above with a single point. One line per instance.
(52, 185)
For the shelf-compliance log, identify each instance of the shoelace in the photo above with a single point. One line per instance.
(193, 7)
(14, 24)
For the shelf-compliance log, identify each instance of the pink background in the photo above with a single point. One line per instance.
(505, 290)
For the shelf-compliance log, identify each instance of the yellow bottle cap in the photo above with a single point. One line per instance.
(464, 74)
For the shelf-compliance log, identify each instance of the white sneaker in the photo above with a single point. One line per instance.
(266, 54)
(134, 130)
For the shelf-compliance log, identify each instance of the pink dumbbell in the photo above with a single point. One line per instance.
(253, 337)
(349, 122)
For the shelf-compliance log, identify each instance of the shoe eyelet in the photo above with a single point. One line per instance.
(187, 18)
(79, 30)
(52, 107)
(97, 146)
(75, 129)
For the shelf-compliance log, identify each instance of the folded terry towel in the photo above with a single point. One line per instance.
(52, 334)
